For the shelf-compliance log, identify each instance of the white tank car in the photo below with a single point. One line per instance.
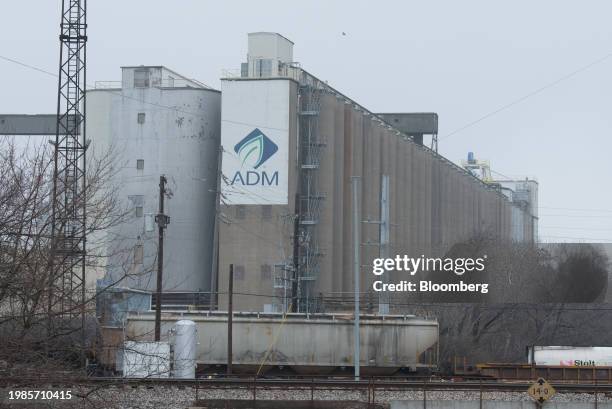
(570, 356)
(313, 344)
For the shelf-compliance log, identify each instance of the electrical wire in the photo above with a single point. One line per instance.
(460, 129)
(28, 66)
(540, 226)
(605, 240)
(122, 95)
(527, 96)
(504, 107)
(577, 215)
(577, 209)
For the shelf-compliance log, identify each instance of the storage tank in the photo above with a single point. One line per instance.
(158, 122)
(185, 344)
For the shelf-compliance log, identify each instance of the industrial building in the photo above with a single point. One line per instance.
(523, 193)
(158, 122)
(291, 145)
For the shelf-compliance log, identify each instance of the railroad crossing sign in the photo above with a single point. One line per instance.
(541, 390)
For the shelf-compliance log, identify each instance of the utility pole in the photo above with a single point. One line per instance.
(383, 242)
(230, 318)
(214, 272)
(356, 266)
(162, 221)
(383, 297)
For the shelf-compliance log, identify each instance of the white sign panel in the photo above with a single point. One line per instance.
(255, 140)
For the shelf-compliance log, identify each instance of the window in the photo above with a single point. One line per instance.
(138, 211)
(266, 212)
(238, 272)
(138, 254)
(264, 68)
(140, 164)
(149, 222)
(141, 118)
(141, 78)
(240, 212)
(137, 200)
(269, 308)
(266, 272)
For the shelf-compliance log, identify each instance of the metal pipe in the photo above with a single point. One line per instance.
(356, 265)
(383, 297)
(214, 272)
(294, 307)
(230, 318)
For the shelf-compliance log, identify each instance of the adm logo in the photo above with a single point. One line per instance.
(254, 150)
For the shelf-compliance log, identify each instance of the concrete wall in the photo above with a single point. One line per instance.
(29, 125)
(270, 45)
(413, 122)
(158, 76)
(488, 404)
(180, 143)
(257, 238)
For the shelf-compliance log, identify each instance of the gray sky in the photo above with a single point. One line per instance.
(462, 60)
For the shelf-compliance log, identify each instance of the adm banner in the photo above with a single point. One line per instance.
(255, 140)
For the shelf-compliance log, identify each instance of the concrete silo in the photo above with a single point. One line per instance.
(157, 122)
(292, 143)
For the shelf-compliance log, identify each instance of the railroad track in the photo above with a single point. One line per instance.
(383, 383)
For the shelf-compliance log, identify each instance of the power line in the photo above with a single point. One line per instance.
(175, 109)
(571, 228)
(581, 239)
(577, 209)
(528, 95)
(501, 174)
(28, 66)
(577, 216)
(92, 86)
(606, 240)
(468, 125)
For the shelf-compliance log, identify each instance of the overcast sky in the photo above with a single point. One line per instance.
(462, 60)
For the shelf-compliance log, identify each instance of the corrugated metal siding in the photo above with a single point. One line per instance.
(433, 205)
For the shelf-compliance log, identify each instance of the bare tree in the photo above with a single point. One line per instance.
(540, 295)
(38, 325)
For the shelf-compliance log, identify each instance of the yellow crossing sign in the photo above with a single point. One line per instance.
(541, 390)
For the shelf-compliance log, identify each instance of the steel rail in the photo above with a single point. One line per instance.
(380, 383)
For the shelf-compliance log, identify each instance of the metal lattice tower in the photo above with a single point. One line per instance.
(68, 229)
